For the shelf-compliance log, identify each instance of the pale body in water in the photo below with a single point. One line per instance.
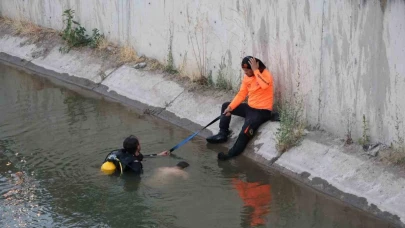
(165, 175)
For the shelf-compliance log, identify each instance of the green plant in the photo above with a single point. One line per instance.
(365, 139)
(170, 68)
(398, 145)
(291, 125)
(96, 38)
(222, 83)
(400, 161)
(210, 81)
(349, 139)
(399, 142)
(75, 35)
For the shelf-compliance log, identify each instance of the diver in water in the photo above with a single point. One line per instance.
(129, 158)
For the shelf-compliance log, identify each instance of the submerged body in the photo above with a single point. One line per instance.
(166, 175)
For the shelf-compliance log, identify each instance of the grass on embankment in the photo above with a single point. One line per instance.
(292, 126)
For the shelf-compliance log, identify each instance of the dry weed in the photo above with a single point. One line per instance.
(6, 21)
(25, 28)
(103, 44)
(127, 54)
(155, 65)
(391, 157)
(396, 156)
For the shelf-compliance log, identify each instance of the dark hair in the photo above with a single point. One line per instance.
(182, 164)
(131, 144)
(245, 63)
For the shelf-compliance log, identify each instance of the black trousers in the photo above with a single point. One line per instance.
(253, 119)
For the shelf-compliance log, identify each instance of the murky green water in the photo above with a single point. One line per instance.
(58, 138)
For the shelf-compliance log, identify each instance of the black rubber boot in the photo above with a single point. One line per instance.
(221, 137)
(222, 156)
(275, 116)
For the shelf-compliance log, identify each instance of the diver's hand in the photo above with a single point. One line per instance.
(164, 153)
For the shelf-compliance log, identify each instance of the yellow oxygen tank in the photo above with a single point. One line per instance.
(108, 167)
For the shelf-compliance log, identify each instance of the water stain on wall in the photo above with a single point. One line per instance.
(383, 5)
(307, 10)
(264, 39)
(376, 79)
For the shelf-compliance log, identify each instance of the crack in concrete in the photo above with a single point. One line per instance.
(105, 78)
(273, 160)
(171, 102)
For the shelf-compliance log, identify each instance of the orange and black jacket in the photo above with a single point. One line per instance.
(258, 88)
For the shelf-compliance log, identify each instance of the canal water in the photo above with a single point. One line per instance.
(54, 137)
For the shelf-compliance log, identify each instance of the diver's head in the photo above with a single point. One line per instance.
(182, 165)
(131, 144)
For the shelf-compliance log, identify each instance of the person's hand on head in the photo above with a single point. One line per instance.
(253, 64)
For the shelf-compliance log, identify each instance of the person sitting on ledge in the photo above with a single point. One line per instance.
(257, 84)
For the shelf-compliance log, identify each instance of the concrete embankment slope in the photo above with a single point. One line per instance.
(319, 161)
(347, 56)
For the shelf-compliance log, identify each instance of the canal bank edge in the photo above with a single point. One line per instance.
(320, 161)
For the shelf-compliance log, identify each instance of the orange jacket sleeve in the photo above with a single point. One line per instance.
(243, 91)
(264, 79)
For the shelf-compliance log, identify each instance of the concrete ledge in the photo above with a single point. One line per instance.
(350, 174)
(265, 143)
(145, 87)
(73, 63)
(14, 46)
(201, 108)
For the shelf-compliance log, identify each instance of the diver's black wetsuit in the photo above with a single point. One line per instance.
(128, 161)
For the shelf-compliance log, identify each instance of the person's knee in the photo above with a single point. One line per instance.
(225, 105)
(247, 131)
